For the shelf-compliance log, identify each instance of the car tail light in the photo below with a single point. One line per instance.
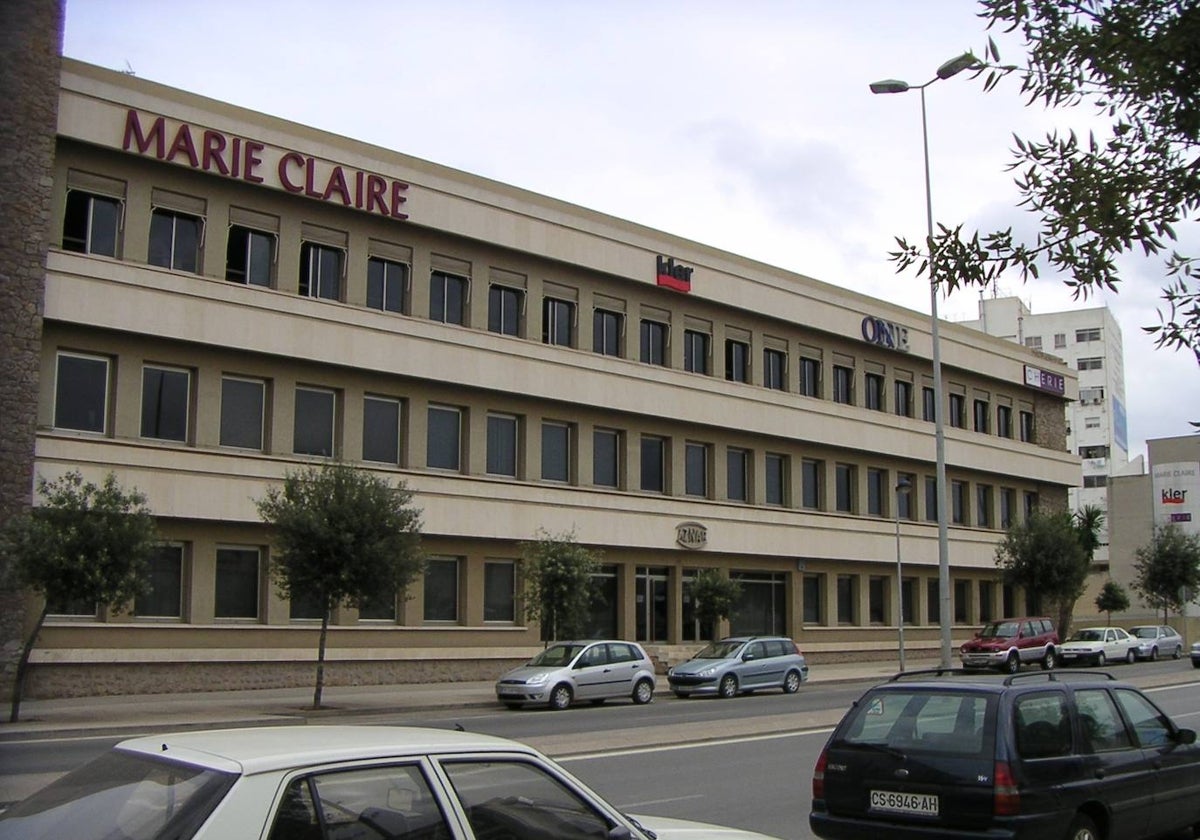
(1006, 799)
(818, 780)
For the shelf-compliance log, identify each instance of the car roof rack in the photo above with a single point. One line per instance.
(940, 671)
(1060, 676)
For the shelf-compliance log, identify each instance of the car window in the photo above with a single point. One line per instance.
(758, 650)
(1148, 722)
(592, 657)
(719, 650)
(1029, 629)
(942, 722)
(556, 655)
(1047, 626)
(517, 799)
(374, 803)
(1042, 725)
(777, 648)
(1099, 722)
(1145, 632)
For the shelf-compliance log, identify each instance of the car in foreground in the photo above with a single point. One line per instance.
(1155, 640)
(566, 672)
(954, 754)
(1009, 643)
(741, 664)
(330, 783)
(1098, 646)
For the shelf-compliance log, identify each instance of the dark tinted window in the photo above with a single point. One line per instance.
(948, 722)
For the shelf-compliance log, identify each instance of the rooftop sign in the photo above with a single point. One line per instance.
(1043, 380)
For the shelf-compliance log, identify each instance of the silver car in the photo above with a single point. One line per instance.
(589, 670)
(741, 663)
(1155, 640)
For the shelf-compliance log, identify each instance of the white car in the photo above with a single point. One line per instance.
(329, 783)
(1098, 646)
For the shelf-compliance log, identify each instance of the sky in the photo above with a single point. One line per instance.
(746, 126)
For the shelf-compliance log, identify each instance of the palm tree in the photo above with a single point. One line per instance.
(1089, 522)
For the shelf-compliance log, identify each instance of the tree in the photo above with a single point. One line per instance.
(1123, 190)
(1089, 523)
(342, 536)
(82, 543)
(1112, 598)
(714, 595)
(1168, 569)
(1044, 554)
(558, 584)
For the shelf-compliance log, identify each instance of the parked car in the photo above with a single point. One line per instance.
(326, 783)
(740, 664)
(1097, 646)
(1009, 643)
(1155, 640)
(589, 670)
(1046, 755)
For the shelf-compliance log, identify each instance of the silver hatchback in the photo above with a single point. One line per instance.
(589, 670)
(741, 663)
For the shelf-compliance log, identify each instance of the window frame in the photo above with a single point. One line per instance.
(431, 609)
(262, 412)
(247, 273)
(558, 322)
(392, 433)
(431, 429)
(225, 613)
(551, 446)
(444, 307)
(608, 325)
(647, 445)
(392, 279)
(308, 414)
(503, 455)
(178, 257)
(696, 352)
(61, 395)
(654, 342)
(737, 360)
(185, 435)
(506, 307)
(87, 244)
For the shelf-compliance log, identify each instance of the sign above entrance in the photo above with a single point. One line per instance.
(691, 535)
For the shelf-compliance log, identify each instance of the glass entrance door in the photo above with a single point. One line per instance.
(652, 595)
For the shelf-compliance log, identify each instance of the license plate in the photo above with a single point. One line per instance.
(891, 802)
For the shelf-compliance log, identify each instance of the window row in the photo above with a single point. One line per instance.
(870, 599)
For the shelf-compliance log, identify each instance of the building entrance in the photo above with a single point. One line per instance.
(652, 598)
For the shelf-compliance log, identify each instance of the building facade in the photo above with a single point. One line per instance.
(231, 296)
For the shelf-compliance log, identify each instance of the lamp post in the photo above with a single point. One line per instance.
(902, 488)
(951, 68)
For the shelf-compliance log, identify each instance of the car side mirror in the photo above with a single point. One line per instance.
(1186, 736)
(749, 657)
(620, 832)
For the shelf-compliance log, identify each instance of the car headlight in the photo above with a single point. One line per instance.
(537, 679)
(707, 672)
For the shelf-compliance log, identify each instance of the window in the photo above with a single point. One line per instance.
(1026, 419)
(164, 598)
(1004, 421)
(1031, 505)
(654, 477)
(242, 408)
(1103, 729)
(654, 343)
(843, 384)
(928, 405)
(380, 606)
(1060, 341)
(1095, 481)
(502, 445)
(847, 599)
(908, 603)
(312, 427)
(504, 309)
(696, 469)
(381, 430)
(250, 256)
(931, 510)
(81, 393)
(876, 491)
(774, 369)
(933, 601)
(237, 582)
(876, 589)
(906, 487)
(499, 591)
(1033, 342)
(983, 505)
(810, 483)
(810, 377)
(606, 449)
(441, 589)
(844, 492)
(1091, 363)
(904, 393)
(443, 441)
(695, 351)
(556, 452)
(958, 502)
(175, 240)
(737, 361)
(606, 332)
(874, 389)
(958, 411)
(777, 478)
(813, 596)
(1091, 422)
(962, 602)
(983, 413)
(1008, 506)
(737, 475)
(1089, 334)
(165, 396)
(987, 597)
(320, 271)
(1096, 451)
(92, 224)
(447, 298)
(558, 318)
(387, 285)
(1091, 396)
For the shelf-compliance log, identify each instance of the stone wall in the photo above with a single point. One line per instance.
(30, 51)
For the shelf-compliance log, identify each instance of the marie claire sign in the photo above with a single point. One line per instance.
(691, 534)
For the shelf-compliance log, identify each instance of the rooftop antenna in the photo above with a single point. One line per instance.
(128, 71)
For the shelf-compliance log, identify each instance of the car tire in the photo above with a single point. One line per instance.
(1083, 828)
(1101, 659)
(1050, 660)
(728, 687)
(791, 682)
(1196, 663)
(1178, 652)
(1013, 663)
(560, 697)
(1130, 657)
(643, 692)
(1154, 654)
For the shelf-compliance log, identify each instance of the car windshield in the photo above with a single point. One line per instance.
(557, 655)
(1088, 636)
(719, 650)
(919, 721)
(999, 630)
(123, 795)
(1146, 632)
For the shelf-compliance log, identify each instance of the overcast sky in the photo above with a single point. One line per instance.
(747, 126)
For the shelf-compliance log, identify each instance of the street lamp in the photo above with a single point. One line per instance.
(951, 68)
(902, 488)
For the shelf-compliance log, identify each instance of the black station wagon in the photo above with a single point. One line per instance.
(1053, 755)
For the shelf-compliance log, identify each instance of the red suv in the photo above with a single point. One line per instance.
(1009, 643)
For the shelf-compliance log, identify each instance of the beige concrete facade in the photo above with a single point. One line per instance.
(822, 574)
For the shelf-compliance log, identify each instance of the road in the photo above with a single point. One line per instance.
(746, 762)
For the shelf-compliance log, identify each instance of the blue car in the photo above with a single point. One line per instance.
(741, 664)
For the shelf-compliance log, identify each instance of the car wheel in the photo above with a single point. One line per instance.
(1101, 659)
(1154, 654)
(1049, 660)
(728, 686)
(1013, 663)
(791, 683)
(1082, 828)
(1131, 657)
(560, 697)
(643, 692)
(1178, 652)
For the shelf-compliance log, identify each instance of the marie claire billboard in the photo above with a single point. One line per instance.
(1177, 495)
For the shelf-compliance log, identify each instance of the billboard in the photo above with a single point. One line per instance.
(1120, 425)
(1176, 490)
